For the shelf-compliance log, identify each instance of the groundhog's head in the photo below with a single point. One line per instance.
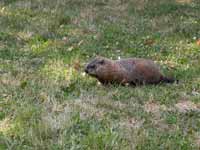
(97, 67)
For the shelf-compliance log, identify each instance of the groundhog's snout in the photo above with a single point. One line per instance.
(86, 69)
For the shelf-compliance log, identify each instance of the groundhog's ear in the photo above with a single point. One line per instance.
(99, 57)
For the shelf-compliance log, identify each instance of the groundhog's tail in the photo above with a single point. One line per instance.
(168, 80)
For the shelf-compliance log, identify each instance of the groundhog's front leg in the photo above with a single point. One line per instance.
(103, 82)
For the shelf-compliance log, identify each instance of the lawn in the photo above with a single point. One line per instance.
(48, 102)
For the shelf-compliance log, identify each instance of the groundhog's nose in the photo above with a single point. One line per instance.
(86, 70)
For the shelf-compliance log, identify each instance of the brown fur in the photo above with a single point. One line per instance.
(132, 70)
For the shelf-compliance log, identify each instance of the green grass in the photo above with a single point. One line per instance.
(47, 102)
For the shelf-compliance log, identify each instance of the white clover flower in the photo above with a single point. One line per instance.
(194, 38)
(83, 74)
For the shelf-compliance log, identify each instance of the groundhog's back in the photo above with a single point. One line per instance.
(141, 70)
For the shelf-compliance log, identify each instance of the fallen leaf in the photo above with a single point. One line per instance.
(198, 42)
(77, 65)
(64, 38)
(70, 48)
(80, 42)
(149, 42)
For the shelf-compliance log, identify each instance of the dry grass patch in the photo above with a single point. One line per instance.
(184, 1)
(197, 140)
(56, 116)
(131, 123)
(5, 125)
(88, 109)
(184, 106)
(8, 80)
(152, 107)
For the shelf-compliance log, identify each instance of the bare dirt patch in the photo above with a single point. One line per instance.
(152, 107)
(185, 106)
(131, 123)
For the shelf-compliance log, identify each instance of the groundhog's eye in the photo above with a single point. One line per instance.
(101, 62)
(92, 66)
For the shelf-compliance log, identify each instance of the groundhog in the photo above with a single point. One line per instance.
(134, 71)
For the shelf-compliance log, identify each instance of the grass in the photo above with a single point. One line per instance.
(47, 102)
